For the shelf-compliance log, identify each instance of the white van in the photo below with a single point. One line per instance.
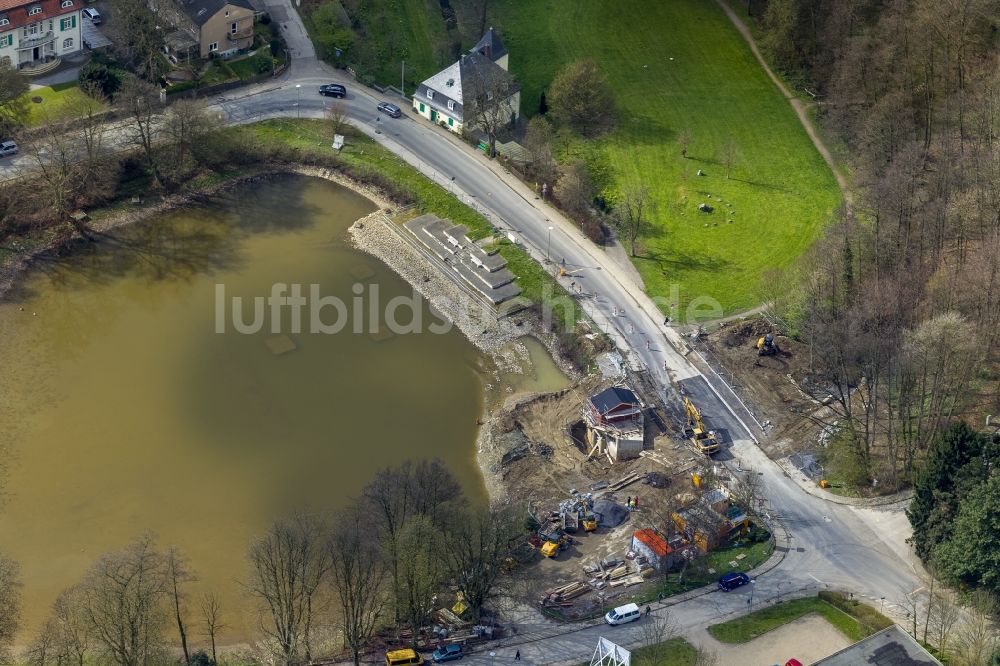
(622, 614)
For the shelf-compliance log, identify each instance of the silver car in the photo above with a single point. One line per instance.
(7, 148)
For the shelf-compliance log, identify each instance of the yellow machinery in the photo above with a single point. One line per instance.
(766, 346)
(703, 440)
(589, 523)
(550, 548)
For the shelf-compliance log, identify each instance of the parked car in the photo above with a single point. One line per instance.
(92, 14)
(447, 653)
(622, 614)
(333, 90)
(731, 581)
(7, 148)
(390, 110)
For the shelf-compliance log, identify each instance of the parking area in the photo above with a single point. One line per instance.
(93, 38)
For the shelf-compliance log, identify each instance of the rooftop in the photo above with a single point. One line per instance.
(490, 45)
(890, 647)
(654, 541)
(613, 397)
(200, 11)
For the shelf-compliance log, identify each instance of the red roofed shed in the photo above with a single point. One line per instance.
(650, 544)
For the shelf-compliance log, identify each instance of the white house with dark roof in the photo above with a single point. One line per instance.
(446, 97)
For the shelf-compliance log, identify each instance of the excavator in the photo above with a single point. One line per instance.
(766, 345)
(704, 441)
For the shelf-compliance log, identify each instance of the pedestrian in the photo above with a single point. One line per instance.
(517, 656)
(666, 320)
(628, 502)
(647, 611)
(635, 502)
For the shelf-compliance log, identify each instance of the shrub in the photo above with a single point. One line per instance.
(102, 73)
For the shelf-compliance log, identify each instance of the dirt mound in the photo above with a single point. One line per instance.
(745, 332)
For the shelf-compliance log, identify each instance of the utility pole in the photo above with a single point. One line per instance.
(402, 79)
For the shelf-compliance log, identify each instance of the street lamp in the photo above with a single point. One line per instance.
(298, 99)
(750, 600)
(881, 605)
(492, 657)
(548, 245)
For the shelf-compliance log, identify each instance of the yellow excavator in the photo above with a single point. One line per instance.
(703, 440)
(766, 345)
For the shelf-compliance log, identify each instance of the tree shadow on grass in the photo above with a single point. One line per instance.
(766, 186)
(667, 261)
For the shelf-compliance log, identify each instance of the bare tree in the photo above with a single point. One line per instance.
(478, 543)
(729, 155)
(656, 632)
(357, 573)
(185, 127)
(489, 97)
(123, 599)
(10, 604)
(336, 118)
(575, 189)
(977, 638)
(178, 574)
(947, 613)
(287, 566)
(684, 142)
(581, 97)
(137, 40)
(140, 102)
(420, 572)
(211, 613)
(635, 207)
(65, 637)
(58, 174)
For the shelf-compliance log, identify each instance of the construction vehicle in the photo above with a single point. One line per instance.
(589, 522)
(766, 345)
(703, 440)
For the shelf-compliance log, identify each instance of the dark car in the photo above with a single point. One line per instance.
(447, 653)
(390, 110)
(731, 581)
(333, 90)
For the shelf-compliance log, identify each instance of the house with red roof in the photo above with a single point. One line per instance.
(33, 32)
(653, 547)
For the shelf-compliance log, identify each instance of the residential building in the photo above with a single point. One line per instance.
(32, 33)
(615, 424)
(220, 28)
(447, 97)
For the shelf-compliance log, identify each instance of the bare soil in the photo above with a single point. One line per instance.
(538, 462)
(773, 386)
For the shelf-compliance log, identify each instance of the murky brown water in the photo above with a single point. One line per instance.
(127, 412)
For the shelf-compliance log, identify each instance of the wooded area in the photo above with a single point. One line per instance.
(900, 301)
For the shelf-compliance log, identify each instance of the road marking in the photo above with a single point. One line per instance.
(816, 579)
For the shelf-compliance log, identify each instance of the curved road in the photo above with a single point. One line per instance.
(830, 545)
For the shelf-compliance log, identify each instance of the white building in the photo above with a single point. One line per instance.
(32, 33)
(443, 98)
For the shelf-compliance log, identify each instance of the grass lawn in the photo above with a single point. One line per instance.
(756, 554)
(748, 627)
(675, 652)
(57, 101)
(781, 191)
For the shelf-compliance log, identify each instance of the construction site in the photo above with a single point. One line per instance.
(625, 497)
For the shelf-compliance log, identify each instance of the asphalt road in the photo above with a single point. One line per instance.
(831, 545)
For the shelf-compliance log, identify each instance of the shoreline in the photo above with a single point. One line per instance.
(499, 340)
